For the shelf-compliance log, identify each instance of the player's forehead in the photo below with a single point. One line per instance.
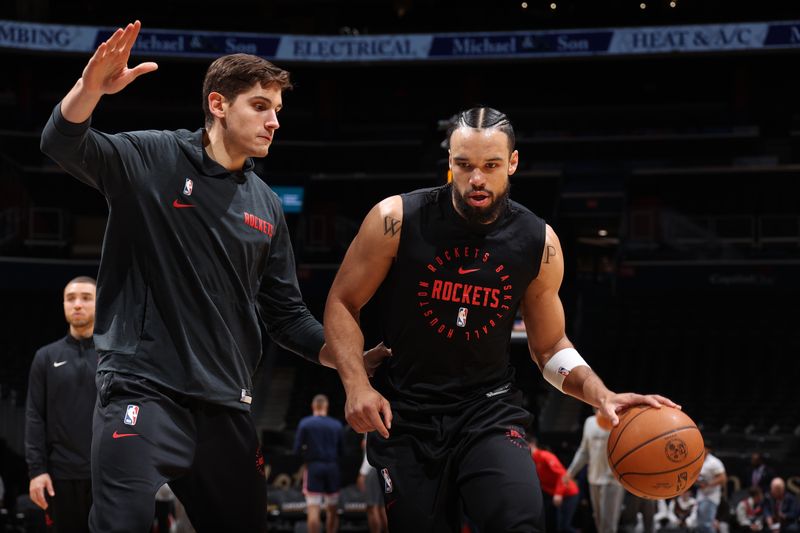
(470, 143)
(270, 94)
(79, 288)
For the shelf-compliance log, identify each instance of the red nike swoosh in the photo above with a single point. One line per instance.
(462, 270)
(122, 435)
(178, 204)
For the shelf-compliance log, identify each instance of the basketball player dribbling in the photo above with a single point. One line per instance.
(459, 260)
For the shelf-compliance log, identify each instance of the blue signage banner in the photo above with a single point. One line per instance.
(291, 198)
(521, 44)
(783, 35)
(46, 37)
(354, 48)
(199, 44)
(704, 38)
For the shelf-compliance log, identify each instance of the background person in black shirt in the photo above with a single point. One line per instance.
(196, 262)
(760, 473)
(58, 415)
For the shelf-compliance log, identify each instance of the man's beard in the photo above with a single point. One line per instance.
(479, 215)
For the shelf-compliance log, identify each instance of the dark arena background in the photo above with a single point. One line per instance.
(659, 139)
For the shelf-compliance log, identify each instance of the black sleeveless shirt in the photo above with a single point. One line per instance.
(449, 302)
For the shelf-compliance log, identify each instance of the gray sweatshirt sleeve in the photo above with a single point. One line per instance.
(286, 317)
(87, 154)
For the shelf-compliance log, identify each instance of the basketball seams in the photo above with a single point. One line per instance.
(682, 467)
(646, 494)
(652, 439)
(610, 451)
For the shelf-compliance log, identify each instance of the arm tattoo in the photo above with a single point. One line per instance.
(550, 251)
(391, 225)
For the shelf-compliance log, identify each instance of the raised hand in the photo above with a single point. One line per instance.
(107, 71)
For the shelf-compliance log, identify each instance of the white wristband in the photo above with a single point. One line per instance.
(560, 365)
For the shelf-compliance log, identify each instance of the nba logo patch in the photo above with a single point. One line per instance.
(461, 321)
(131, 414)
(563, 371)
(387, 481)
(187, 187)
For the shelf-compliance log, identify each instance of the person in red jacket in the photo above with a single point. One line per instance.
(561, 497)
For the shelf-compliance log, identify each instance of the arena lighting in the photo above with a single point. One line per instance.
(553, 6)
(524, 5)
(642, 6)
(673, 3)
(602, 232)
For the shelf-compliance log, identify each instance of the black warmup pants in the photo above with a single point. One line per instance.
(477, 458)
(144, 437)
(69, 508)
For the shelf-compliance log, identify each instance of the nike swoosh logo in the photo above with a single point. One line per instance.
(178, 204)
(462, 270)
(60, 363)
(123, 435)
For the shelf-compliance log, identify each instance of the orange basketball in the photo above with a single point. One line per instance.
(655, 453)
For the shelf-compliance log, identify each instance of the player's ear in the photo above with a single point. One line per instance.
(513, 162)
(216, 104)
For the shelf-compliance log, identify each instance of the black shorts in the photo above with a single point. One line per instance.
(432, 465)
(144, 437)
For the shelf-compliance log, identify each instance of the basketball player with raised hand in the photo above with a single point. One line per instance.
(452, 265)
(196, 263)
